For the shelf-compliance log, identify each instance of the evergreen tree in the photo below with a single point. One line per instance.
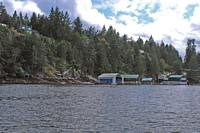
(190, 52)
(26, 20)
(66, 27)
(140, 67)
(63, 44)
(193, 63)
(34, 21)
(2, 7)
(14, 20)
(78, 25)
(4, 17)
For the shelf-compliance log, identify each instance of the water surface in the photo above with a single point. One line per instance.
(99, 109)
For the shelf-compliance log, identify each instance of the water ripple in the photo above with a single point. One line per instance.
(100, 109)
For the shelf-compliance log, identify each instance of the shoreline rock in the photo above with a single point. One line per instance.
(59, 81)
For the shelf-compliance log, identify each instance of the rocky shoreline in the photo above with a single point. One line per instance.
(59, 81)
(52, 81)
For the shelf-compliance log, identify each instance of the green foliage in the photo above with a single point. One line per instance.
(192, 62)
(191, 58)
(57, 44)
(140, 66)
(49, 71)
(4, 17)
(20, 72)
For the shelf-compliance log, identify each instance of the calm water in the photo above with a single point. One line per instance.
(99, 109)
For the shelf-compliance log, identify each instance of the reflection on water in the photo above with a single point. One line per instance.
(99, 109)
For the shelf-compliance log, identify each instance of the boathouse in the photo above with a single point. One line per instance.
(175, 77)
(130, 79)
(176, 80)
(147, 80)
(110, 78)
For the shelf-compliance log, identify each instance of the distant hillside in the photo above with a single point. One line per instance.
(54, 43)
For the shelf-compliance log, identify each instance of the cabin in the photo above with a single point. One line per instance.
(147, 80)
(110, 78)
(130, 79)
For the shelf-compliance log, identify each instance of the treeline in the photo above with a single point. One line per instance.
(192, 62)
(56, 43)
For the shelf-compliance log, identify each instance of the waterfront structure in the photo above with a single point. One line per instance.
(147, 80)
(176, 80)
(175, 77)
(130, 79)
(110, 78)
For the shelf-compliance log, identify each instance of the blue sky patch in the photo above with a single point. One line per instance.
(121, 22)
(189, 11)
(96, 1)
(144, 17)
(155, 8)
(107, 12)
(125, 13)
(107, 8)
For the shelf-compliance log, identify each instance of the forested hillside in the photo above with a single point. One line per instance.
(46, 44)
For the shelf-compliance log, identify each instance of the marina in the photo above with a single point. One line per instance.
(128, 79)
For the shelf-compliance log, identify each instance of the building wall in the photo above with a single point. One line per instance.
(111, 80)
(118, 80)
(106, 80)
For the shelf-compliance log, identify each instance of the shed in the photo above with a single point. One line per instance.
(110, 78)
(130, 79)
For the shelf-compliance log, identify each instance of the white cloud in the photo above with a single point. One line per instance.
(104, 4)
(169, 23)
(23, 6)
(91, 15)
(195, 18)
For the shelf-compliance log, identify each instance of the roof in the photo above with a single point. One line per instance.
(131, 76)
(175, 76)
(108, 75)
(147, 79)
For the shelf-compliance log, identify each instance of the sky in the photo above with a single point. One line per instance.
(173, 21)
